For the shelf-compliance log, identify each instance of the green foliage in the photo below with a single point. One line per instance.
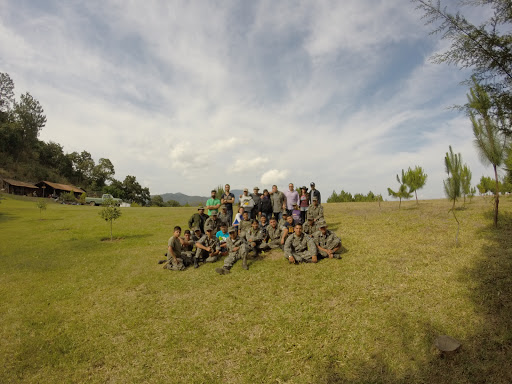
(68, 197)
(402, 192)
(346, 197)
(135, 205)
(465, 179)
(157, 201)
(173, 203)
(489, 140)
(81, 200)
(415, 179)
(41, 204)
(110, 212)
(453, 167)
(220, 191)
(484, 48)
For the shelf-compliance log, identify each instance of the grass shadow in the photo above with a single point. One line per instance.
(7, 217)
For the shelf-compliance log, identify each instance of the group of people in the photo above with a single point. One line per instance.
(289, 221)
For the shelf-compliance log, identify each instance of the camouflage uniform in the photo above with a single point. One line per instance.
(233, 256)
(309, 229)
(256, 236)
(301, 248)
(175, 265)
(316, 213)
(213, 223)
(206, 242)
(225, 218)
(328, 241)
(274, 238)
(187, 253)
(244, 227)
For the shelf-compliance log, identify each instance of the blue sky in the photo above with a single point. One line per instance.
(186, 95)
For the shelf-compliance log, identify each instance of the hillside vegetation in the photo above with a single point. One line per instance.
(78, 308)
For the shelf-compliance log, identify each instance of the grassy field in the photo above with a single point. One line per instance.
(77, 308)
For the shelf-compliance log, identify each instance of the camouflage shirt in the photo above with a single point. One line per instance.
(213, 243)
(212, 223)
(327, 241)
(316, 212)
(300, 243)
(308, 228)
(254, 235)
(244, 226)
(277, 201)
(238, 242)
(273, 233)
(224, 218)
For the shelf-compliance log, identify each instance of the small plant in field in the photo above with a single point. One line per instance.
(68, 197)
(402, 192)
(110, 213)
(41, 204)
(81, 200)
(453, 184)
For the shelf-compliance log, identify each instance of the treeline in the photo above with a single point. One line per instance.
(24, 157)
(346, 197)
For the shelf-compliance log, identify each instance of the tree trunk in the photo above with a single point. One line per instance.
(111, 230)
(496, 197)
(400, 204)
(416, 193)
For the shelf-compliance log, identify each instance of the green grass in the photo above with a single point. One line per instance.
(77, 308)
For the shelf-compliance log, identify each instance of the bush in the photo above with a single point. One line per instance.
(68, 197)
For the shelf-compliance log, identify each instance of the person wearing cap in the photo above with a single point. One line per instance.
(246, 201)
(300, 247)
(315, 210)
(278, 200)
(198, 219)
(284, 219)
(207, 248)
(273, 236)
(328, 244)
(237, 249)
(304, 203)
(314, 193)
(196, 234)
(224, 216)
(228, 199)
(213, 204)
(309, 228)
(256, 197)
(213, 222)
(292, 198)
(254, 237)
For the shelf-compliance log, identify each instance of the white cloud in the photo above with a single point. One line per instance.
(273, 176)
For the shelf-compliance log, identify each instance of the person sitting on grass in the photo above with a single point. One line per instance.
(187, 246)
(263, 225)
(315, 210)
(207, 248)
(287, 229)
(237, 249)
(309, 228)
(175, 262)
(300, 247)
(328, 244)
(223, 235)
(273, 239)
(282, 222)
(254, 237)
(196, 234)
(245, 224)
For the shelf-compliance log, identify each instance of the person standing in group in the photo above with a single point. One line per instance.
(246, 202)
(213, 204)
(228, 199)
(292, 198)
(256, 198)
(265, 206)
(304, 203)
(198, 219)
(278, 200)
(314, 193)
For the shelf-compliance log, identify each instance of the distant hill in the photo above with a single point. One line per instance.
(194, 200)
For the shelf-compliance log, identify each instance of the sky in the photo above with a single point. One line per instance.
(188, 95)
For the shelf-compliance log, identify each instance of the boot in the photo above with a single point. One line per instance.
(222, 271)
(196, 263)
(244, 263)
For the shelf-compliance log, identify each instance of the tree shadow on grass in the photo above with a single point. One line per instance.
(7, 217)
(485, 357)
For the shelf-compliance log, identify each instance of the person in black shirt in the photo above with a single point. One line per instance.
(228, 199)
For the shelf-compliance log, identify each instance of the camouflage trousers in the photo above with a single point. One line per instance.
(324, 255)
(272, 244)
(233, 257)
(175, 265)
(304, 256)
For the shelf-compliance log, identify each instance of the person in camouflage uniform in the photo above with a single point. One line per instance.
(300, 247)
(198, 219)
(315, 211)
(197, 234)
(282, 222)
(278, 202)
(187, 247)
(309, 228)
(244, 225)
(213, 222)
(273, 236)
(207, 248)
(237, 248)
(254, 237)
(328, 244)
(224, 217)
(175, 262)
